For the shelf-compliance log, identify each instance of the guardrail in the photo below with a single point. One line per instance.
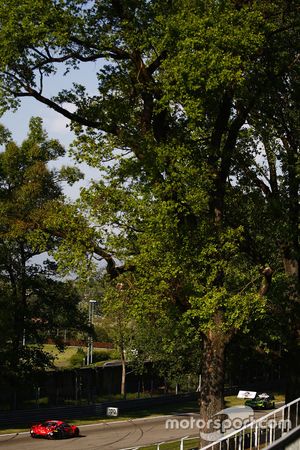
(259, 434)
(160, 445)
(264, 431)
(290, 441)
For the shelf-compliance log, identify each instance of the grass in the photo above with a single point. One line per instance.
(234, 401)
(62, 359)
(175, 445)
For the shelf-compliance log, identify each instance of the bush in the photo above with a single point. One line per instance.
(115, 354)
(102, 334)
(101, 355)
(78, 359)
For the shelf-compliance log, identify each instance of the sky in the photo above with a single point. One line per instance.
(55, 124)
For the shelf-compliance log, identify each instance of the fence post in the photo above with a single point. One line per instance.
(182, 442)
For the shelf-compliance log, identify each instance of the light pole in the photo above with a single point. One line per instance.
(90, 338)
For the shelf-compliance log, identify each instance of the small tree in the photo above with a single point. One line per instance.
(117, 307)
(35, 300)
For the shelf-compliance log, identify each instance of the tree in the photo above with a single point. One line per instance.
(172, 348)
(276, 131)
(179, 82)
(116, 306)
(35, 301)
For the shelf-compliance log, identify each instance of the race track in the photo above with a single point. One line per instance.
(102, 436)
(109, 435)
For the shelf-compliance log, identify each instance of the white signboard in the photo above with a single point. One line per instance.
(246, 394)
(112, 411)
(264, 395)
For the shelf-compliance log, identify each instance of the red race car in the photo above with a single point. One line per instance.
(54, 429)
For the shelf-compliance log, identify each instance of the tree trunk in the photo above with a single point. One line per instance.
(211, 398)
(292, 359)
(123, 377)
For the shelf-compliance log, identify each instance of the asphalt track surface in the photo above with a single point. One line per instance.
(107, 435)
(102, 436)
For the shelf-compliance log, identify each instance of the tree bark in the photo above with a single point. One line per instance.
(292, 358)
(123, 376)
(211, 399)
(290, 254)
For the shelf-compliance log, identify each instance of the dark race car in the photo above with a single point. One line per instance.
(54, 429)
(261, 401)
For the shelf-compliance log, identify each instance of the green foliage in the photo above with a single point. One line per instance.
(35, 301)
(70, 174)
(101, 355)
(115, 354)
(78, 359)
(5, 135)
(197, 160)
(102, 332)
(116, 306)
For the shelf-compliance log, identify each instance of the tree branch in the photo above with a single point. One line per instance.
(113, 270)
(31, 92)
(267, 272)
(156, 64)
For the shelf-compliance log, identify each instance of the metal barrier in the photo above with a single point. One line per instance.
(257, 435)
(178, 442)
(289, 442)
(262, 432)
